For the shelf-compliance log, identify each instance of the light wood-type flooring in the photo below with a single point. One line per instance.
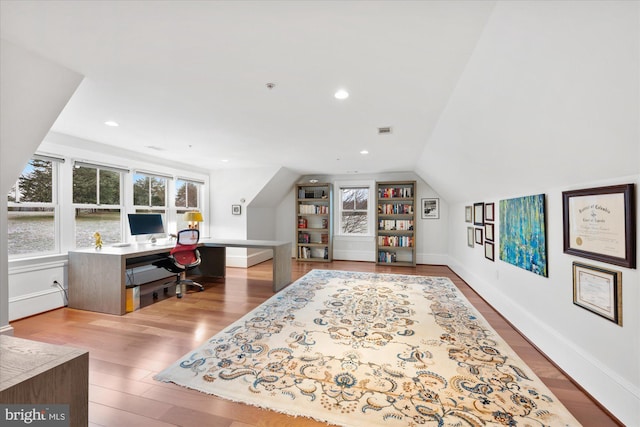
(126, 351)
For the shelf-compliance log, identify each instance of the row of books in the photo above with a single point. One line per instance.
(305, 252)
(395, 208)
(395, 192)
(313, 209)
(306, 238)
(395, 224)
(396, 241)
(384, 256)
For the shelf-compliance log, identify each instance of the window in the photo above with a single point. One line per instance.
(32, 209)
(354, 210)
(149, 190)
(97, 200)
(187, 199)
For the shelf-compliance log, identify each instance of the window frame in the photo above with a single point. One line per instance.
(54, 204)
(99, 206)
(167, 182)
(347, 185)
(178, 211)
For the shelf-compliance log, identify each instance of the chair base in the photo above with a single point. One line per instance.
(179, 282)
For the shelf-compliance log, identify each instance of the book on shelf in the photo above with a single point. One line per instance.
(302, 222)
(391, 192)
(387, 257)
(395, 224)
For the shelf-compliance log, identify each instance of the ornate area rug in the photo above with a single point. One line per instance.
(365, 349)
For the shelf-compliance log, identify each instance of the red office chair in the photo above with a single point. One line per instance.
(184, 256)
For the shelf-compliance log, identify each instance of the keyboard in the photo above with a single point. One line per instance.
(121, 245)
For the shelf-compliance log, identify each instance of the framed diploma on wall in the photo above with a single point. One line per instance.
(598, 290)
(600, 223)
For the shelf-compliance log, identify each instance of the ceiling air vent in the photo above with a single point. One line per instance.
(384, 130)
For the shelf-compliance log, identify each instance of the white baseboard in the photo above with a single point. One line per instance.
(35, 303)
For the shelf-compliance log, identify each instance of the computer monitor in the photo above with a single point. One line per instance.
(145, 224)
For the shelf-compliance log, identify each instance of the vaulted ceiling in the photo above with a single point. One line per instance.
(482, 97)
(187, 80)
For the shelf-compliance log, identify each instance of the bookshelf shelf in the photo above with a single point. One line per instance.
(314, 228)
(396, 223)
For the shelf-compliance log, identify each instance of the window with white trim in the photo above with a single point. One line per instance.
(98, 203)
(32, 210)
(188, 197)
(354, 215)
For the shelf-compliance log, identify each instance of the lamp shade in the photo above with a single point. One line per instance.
(193, 216)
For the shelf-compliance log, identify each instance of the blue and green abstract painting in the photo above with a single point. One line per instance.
(523, 240)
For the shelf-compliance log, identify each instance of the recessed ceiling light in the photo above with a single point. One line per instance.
(341, 94)
(111, 123)
(224, 160)
(364, 152)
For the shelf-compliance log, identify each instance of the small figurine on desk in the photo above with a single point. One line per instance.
(98, 238)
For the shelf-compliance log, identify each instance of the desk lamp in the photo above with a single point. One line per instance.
(193, 218)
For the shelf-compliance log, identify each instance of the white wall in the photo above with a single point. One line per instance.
(600, 355)
(242, 187)
(431, 234)
(548, 102)
(33, 91)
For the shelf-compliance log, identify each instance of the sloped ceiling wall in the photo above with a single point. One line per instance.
(549, 98)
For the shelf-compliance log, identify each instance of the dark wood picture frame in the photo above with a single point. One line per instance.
(489, 230)
(478, 236)
(478, 213)
(597, 221)
(489, 251)
(489, 212)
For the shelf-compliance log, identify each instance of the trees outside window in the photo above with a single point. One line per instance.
(149, 190)
(354, 210)
(32, 210)
(96, 196)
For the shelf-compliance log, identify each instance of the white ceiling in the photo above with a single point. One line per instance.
(189, 77)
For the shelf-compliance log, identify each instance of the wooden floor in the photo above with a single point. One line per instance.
(126, 351)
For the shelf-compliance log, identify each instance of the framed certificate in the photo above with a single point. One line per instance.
(599, 223)
(598, 290)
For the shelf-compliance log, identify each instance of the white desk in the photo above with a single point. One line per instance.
(97, 278)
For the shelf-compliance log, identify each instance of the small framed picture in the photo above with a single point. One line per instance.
(478, 213)
(236, 209)
(430, 208)
(598, 290)
(478, 236)
(489, 251)
(468, 214)
(470, 237)
(489, 212)
(488, 231)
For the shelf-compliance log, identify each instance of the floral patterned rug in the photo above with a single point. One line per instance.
(367, 349)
